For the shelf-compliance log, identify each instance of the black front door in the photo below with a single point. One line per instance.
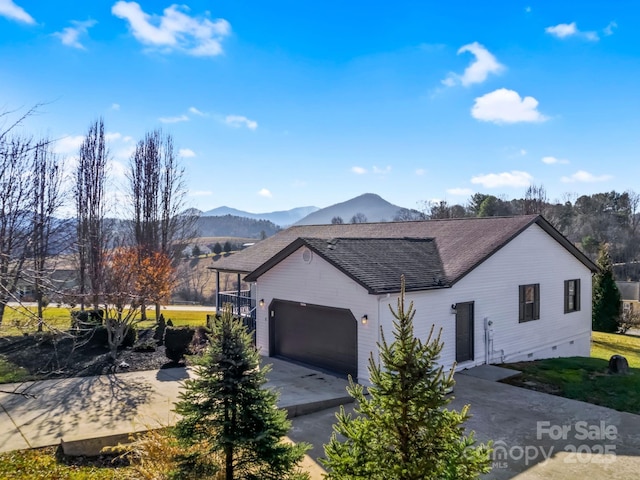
(464, 332)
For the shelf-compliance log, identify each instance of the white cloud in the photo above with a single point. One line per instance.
(586, 177)
(111, 136)
(478, 71)
(237, 121)
(68, 145)
(459, 191)
(382, 171)
(179, 118)
(186, 153)
(117, 170)
(299, 184)
(70, 35)
(200, 193)
(195, 111)
(523, 152)
(514, 178)
(115, 106)
(608, 30)
(554, 160)
(265, 193)
(420, 171)
(12, 11)
(127, 139)
(174, 29)
(359, 170)
(506, 106)
(125, 153)
(564, 30)
(592, 36)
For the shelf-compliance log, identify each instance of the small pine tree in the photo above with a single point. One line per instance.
(196, 251)
(228, 412)
(217, 248)
(402, 431)
(606, 296)
(227, 246)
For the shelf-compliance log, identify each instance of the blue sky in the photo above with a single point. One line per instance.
(280, 104)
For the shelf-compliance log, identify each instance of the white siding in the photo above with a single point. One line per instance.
(532, 257)
(316, 282)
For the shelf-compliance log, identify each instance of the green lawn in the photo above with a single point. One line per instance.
(603, 345)
(47, 463)
(24, 320)
(587, 379)
(10, 373)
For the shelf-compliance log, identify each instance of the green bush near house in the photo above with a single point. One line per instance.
(177, 341)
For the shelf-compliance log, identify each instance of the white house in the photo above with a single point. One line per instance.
(502, 289)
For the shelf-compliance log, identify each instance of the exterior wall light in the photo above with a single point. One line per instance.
(364, 319)
(261, 303)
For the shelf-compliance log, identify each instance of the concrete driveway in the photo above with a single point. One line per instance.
(536, 435)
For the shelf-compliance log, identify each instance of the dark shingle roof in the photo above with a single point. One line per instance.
(462, 243)
(378, 263)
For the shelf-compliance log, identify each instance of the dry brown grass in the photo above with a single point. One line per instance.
(153, 456)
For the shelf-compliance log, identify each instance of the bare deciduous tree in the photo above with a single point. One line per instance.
(535, 200)
(358, 218)
(15, 188)
(158, 193)
(89, 193)
(46, 198)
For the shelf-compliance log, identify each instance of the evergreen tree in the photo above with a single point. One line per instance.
(196, 251)
(217, 248)
(227, 246)
(606, 296)
(402, 431)
(227, 410)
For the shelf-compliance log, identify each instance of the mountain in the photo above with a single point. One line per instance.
(282, 218)
(372, 206)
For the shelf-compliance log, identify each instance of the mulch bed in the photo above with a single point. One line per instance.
(45, 356)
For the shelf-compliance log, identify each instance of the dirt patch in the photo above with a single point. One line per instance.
(531, 384)
(47, 356)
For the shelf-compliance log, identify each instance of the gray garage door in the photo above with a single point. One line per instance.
(321, 336)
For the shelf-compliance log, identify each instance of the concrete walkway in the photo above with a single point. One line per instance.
(78, 409)
(536, 436)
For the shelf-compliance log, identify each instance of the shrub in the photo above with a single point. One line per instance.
(177, 341)
(156, 454)
(629, 319)
(99, 336)
(158, 334)
(211, 319)
(94, 317)
(148, 345)
(199, 341)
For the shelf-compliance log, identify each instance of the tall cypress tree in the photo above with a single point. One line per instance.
(402, 430)
(606, 296)
(228, 412)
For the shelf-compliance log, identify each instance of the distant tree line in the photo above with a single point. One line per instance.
(589, 221)
(234, 226)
